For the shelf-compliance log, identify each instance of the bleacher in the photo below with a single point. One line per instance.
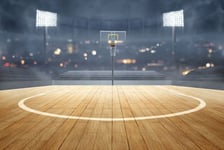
(21, 74)
(107, 75)
(208, 74)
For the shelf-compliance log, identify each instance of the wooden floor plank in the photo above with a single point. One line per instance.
(20, 129)
(200, 136)
(77, 131)
(119, 135)
(135, 139)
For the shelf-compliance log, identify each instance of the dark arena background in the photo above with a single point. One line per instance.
(154, 81)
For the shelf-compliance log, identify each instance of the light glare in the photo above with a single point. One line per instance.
(57, 51)
(93, 52)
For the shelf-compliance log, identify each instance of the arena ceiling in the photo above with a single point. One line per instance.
(106, 8)
(14, 12)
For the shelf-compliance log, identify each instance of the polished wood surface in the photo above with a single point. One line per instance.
(20, 129)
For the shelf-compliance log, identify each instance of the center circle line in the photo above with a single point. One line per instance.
(201, 105)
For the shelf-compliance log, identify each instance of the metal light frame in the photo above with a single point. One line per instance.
(173, 19)
(45, 19)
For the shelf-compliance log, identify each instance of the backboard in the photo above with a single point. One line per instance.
(113, 37)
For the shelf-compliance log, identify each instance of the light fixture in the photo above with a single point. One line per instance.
(173, 19)
(46, 19)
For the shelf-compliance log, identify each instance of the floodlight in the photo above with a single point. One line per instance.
(173, 19)
(46, 19)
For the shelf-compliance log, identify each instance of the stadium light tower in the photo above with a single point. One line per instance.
(173, 19)
(45, 19)
(113, 38)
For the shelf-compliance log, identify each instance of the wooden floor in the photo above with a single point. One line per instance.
(23, 130)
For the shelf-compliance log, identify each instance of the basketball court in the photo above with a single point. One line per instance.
(111, 117)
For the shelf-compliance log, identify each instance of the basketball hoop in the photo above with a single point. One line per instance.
(112, 38)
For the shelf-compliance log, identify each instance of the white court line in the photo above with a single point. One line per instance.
(201, 105)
